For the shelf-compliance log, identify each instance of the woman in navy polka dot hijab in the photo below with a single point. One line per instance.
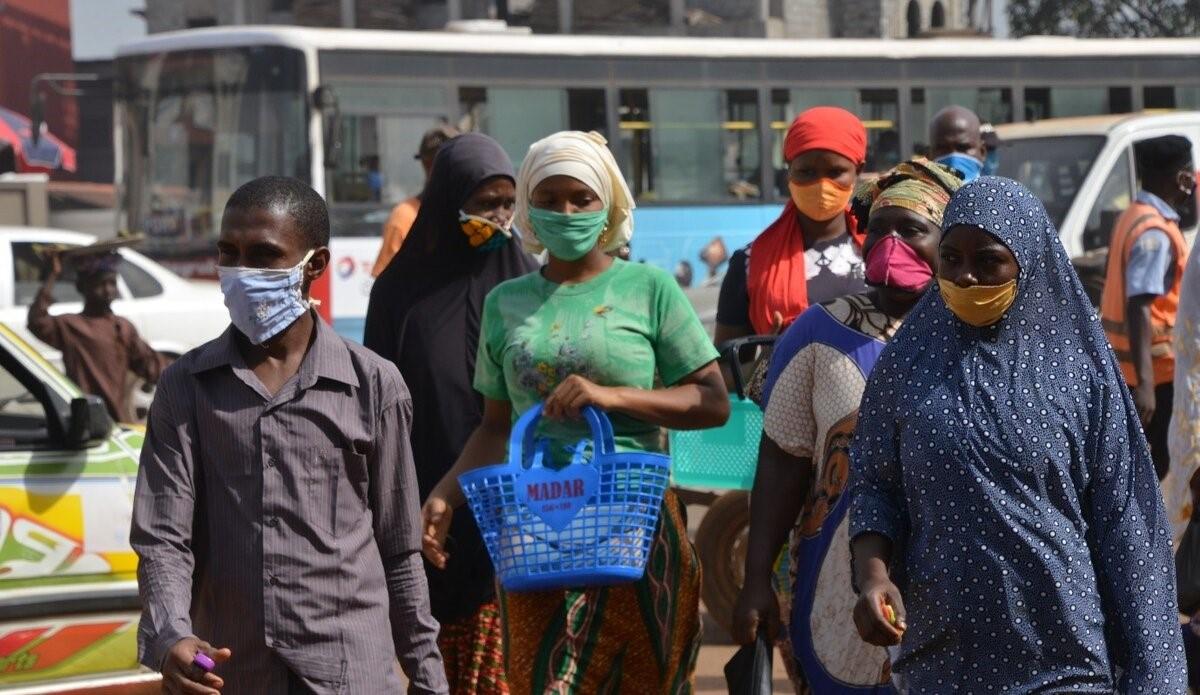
(1007, 526)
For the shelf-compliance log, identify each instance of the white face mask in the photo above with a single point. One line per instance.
(263, 302)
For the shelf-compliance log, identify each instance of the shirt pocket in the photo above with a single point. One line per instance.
(337, 487)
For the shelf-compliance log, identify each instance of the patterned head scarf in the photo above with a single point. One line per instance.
(582, 156)
(918, 185)
(1034, 409)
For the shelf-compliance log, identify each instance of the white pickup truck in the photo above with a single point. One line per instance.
(1083, 170)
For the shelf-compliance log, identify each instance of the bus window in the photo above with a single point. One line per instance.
(1061, 102)
(380, 129)
(992, 105)
(1115, 196)
(695, 145)
(880, 112)
(518, 117)
(1168, 97)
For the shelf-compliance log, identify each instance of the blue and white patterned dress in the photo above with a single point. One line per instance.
(1007, 466)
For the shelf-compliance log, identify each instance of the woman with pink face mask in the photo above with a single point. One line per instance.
(816, 378)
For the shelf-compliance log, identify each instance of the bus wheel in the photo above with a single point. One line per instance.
(721, 544)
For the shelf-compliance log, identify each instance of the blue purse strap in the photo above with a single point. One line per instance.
(521, 440)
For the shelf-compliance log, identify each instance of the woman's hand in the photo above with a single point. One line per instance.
(874, 625)
(436, 515)
(1145, 402)
(568, 400)
(757, 609)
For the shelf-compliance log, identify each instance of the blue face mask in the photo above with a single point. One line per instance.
(264, 301)
(965, 164)
(991, 164)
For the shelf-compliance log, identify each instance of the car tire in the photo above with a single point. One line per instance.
(721, 544)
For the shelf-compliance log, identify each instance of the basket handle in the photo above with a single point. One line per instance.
(730, 352)
(602, 431)
(521, 439)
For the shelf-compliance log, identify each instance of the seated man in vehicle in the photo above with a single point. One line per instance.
(98, 347)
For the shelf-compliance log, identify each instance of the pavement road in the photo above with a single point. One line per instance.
(710, 671)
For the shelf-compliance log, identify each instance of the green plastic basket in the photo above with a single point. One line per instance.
(724, 457)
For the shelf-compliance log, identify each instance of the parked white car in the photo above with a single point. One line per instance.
(172, 314)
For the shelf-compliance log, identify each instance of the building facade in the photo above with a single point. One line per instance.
(35, 36)
(801, 19)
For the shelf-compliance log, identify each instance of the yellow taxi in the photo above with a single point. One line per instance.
(68, 583)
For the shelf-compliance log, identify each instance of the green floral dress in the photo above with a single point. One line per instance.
(629, 326)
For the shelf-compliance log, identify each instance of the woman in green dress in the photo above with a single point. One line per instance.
(590, 329)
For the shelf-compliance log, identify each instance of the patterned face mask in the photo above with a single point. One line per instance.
(483, 234)
(263, 302)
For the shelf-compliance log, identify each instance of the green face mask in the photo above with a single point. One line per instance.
(568, 236)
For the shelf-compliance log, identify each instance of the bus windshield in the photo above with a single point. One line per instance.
(1052, 167)
(196, 124)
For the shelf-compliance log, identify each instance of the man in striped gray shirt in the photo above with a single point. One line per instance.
(276, 514)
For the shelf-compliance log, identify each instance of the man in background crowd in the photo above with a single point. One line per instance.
(956, 140)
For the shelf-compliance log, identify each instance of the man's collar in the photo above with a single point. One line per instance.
(327, 357)
(217, 353)
(1147, 198)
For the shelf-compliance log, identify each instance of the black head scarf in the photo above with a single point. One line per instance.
(424, 315)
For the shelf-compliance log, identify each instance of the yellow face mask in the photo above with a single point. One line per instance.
(822, 199)
(980, 305)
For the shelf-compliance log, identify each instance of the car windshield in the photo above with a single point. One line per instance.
(1052, 167)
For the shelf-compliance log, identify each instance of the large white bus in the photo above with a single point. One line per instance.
(695, 123)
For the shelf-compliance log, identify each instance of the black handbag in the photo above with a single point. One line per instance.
(750, 671)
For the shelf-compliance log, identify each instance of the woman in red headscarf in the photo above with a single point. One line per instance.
(812, 253)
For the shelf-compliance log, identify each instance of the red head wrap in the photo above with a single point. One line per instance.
(827, 128)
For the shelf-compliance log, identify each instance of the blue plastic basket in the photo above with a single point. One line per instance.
(589, 523)
(724, 457)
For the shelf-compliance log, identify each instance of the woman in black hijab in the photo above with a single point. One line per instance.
(424, 315)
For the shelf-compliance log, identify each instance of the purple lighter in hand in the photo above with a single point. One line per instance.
(204, 662)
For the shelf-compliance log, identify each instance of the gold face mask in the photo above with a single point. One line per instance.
(821, 200)
(979, 305)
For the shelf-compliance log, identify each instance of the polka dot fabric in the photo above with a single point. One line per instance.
(1007, 465)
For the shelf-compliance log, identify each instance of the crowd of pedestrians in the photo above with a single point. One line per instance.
(954, 493)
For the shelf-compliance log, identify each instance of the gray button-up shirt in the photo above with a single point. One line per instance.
(285, 527)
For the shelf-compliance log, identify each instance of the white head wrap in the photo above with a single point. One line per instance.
(585, 157)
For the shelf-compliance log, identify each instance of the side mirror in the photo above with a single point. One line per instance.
(90, 421)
